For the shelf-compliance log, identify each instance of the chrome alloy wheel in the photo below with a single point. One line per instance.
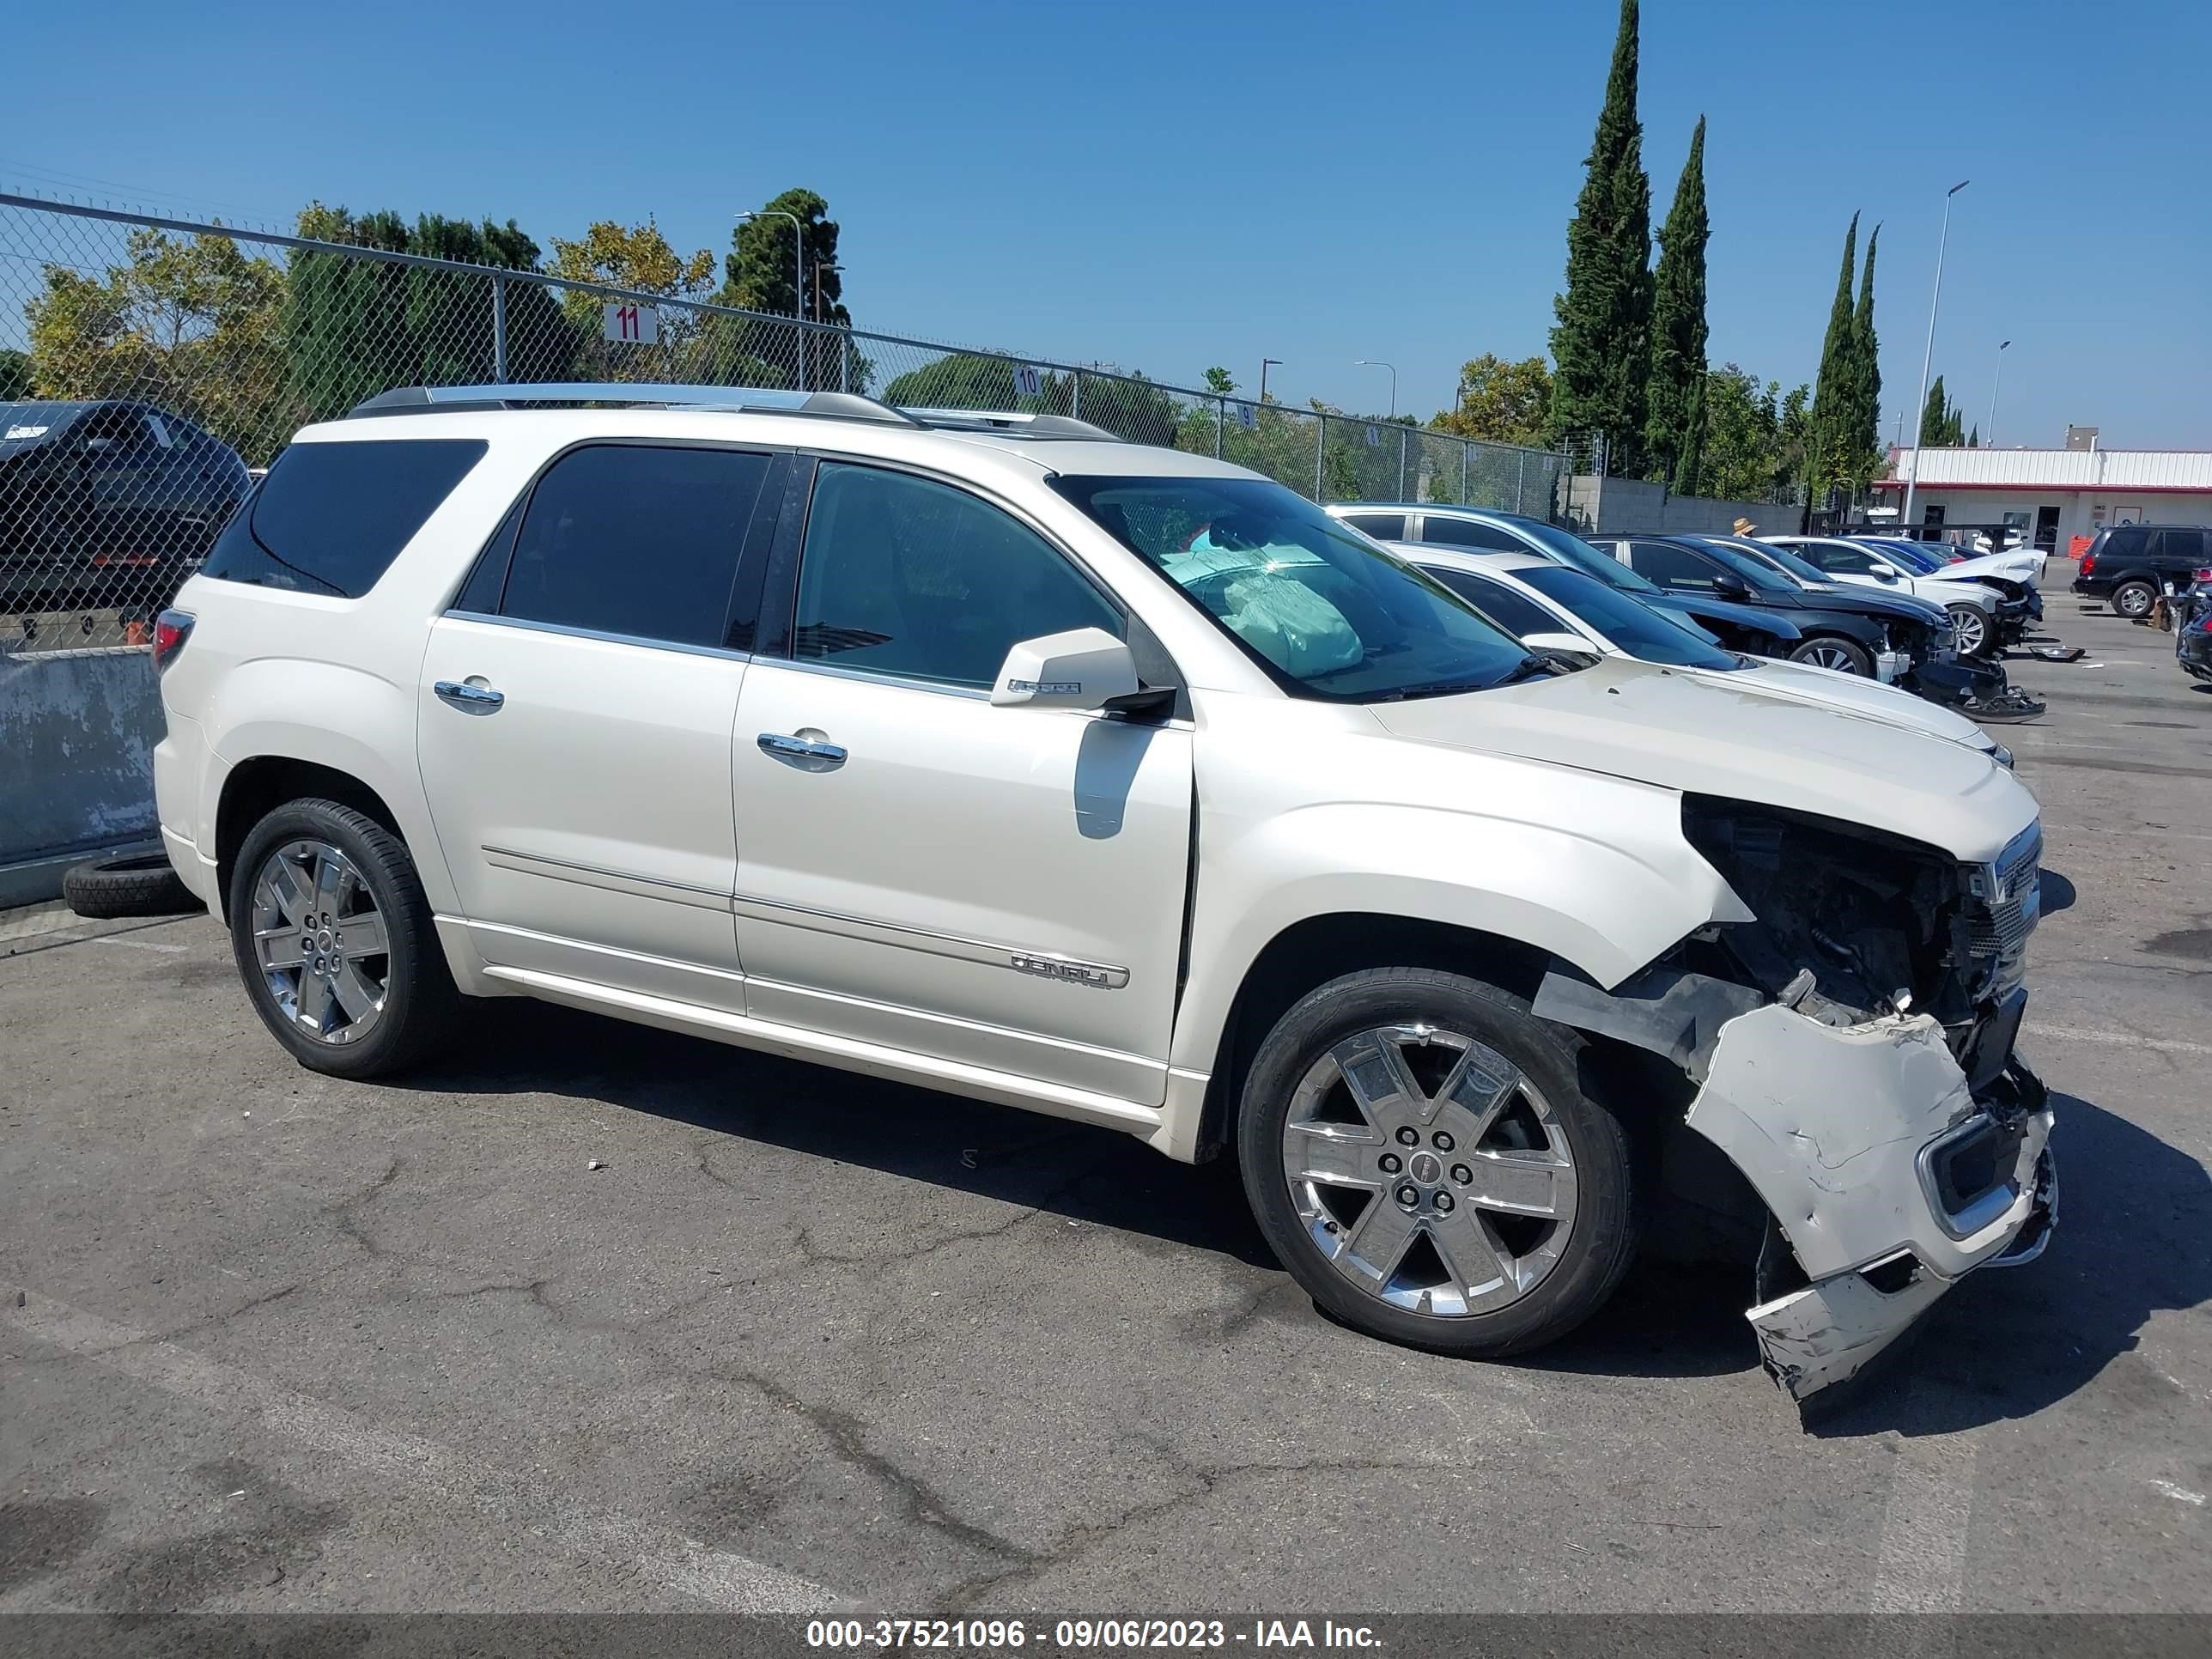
(320, 942)
(1828, 655)
(1429, 1170)
(1969, 630)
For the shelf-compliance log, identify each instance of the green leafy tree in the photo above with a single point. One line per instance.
(637, 258)
(1499, 401)
(962, 381)
(1865, 444)
(1601, 348)
(1673, 396)
(1218, 380)
(760, 273)
(1835, 393)
(14, 376)
(190, 324)
(1942, 424)
(354, 327)
(1754, 439)
(1974, 438)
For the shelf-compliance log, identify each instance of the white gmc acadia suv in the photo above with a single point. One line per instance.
(995, 755)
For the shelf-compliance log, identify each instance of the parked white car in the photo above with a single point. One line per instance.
(996, 756)
(1551, 606)
(1973, 606)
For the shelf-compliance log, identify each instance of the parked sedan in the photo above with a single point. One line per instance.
(1849, 629)
(1976, 625)
(1762, 632)
(2017, 585)
(104, 504)
(1551, 606)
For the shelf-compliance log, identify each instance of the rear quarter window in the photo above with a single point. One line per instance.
(330, 518)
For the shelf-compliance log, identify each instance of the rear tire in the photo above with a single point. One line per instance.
(333, 937)
(1419, 1153)
(1830, 651)
(2134, 600)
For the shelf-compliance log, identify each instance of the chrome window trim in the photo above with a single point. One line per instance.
(874, 677)
(599, 633)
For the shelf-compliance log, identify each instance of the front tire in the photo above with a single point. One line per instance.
(1971, 631)
(2134, 600)
(333, 937)
(1421, 1155)
(1828, 651)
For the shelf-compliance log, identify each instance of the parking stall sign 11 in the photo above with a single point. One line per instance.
(628, 322)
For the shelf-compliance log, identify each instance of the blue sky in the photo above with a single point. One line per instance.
(1168, 185)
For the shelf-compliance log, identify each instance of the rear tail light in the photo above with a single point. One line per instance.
(2088, 564)
(2204, 578)
(170, 629)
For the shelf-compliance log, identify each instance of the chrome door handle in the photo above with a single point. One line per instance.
(469, 699)
(814, 756)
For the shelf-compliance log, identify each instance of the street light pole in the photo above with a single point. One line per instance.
(1927, 356)
(798, 279)
(1990, 431)
(1373, 363)
(1265, 363)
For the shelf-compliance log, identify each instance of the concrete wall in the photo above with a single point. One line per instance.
(1609, 506)
(77, 731)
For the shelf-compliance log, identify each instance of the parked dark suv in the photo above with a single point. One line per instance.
(2129, 565)
(106, 504)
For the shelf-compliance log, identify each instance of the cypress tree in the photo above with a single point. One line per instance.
(1832, 392)
(1602, 345)
(1671, 434)
(1937, 417)
(1866, 351)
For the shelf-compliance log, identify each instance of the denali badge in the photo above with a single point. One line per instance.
(1073, 972)
(1047, 687)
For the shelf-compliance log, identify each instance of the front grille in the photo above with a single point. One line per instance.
(2007, 905)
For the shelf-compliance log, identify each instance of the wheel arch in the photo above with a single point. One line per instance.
(254, 788)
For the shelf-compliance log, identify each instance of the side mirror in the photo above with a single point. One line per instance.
(1882, 573)
(1083, 668)
(1729, 586)
(1574, 643)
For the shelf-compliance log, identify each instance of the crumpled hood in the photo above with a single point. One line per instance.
(1638, 720)
(2012, 566)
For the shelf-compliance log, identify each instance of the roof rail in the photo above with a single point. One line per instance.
(1009, 420)
(440, 399)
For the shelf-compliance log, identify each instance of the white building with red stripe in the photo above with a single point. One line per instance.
(2053, 496)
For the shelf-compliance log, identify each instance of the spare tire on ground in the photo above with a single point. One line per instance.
(128, 885)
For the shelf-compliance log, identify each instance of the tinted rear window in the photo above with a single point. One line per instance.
(330, 518)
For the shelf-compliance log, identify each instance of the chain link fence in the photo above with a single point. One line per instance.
(150, 367)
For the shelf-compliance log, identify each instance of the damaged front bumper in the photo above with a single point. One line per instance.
(1890, 1177)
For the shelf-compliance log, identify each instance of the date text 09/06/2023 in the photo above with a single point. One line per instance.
(1290, 1635)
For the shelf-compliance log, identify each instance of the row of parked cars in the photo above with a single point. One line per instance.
(1491, 935)
(1863, 607)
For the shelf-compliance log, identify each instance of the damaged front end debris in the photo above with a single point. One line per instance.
(1852, 1047)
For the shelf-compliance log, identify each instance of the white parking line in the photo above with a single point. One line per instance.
(2114, 1039)
(730, 1582)
(141, 944)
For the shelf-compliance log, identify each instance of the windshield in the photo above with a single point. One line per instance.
(1906, 554)
(1802, 568)
(1757, 572)
(1636, 627)
(1564, 544)
(1330, 613)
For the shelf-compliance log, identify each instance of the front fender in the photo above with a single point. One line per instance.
(1607, 900)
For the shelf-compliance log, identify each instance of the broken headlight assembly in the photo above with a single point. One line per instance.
(1882, 923)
